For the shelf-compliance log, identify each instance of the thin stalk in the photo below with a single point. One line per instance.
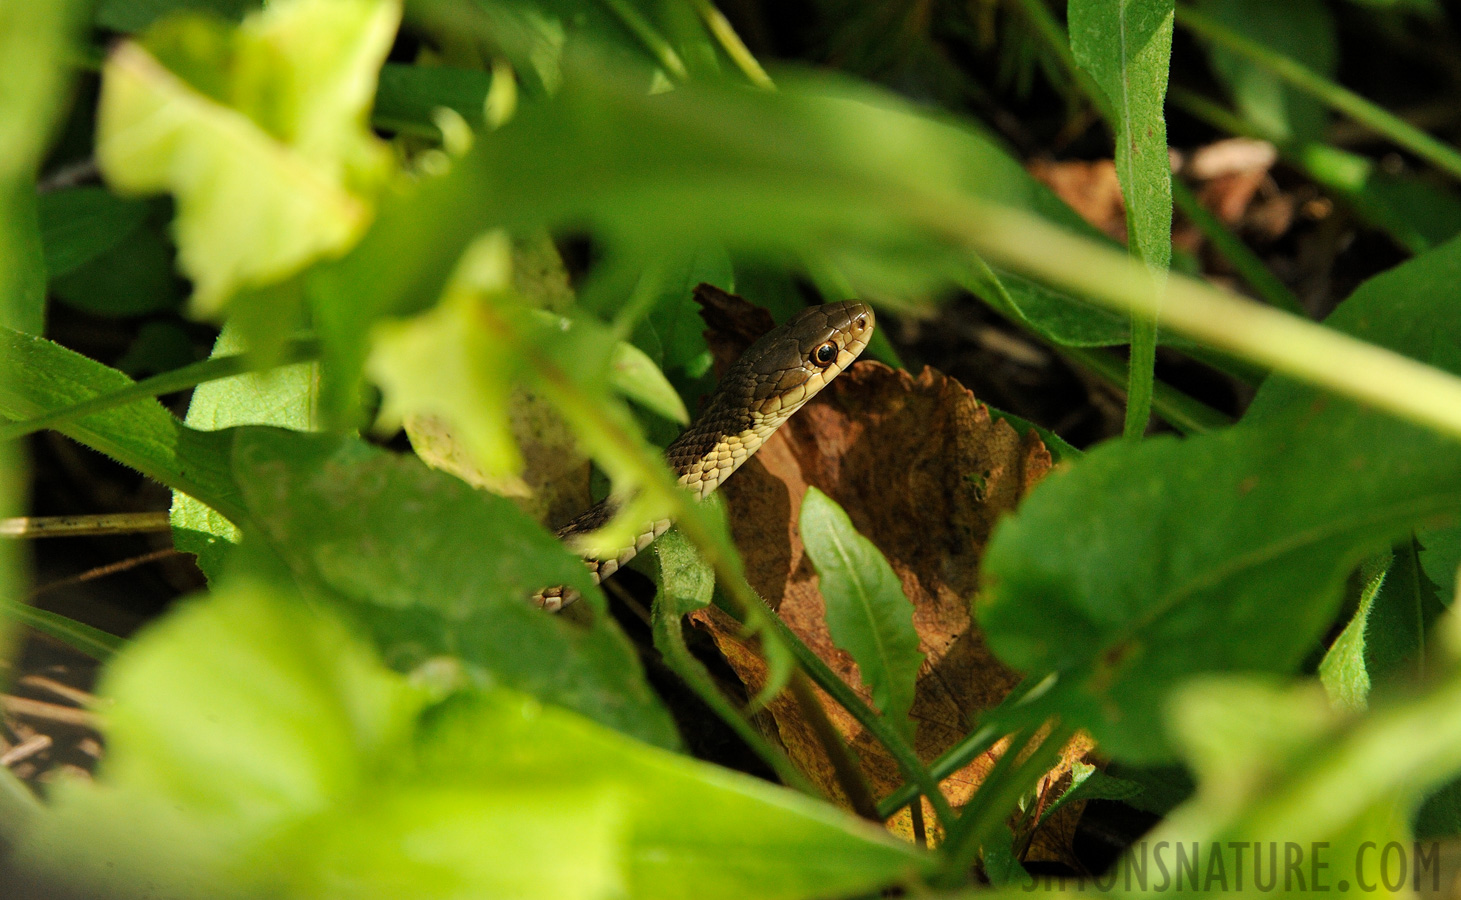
(911, 766)
(1182, 412)
(997, 795)
(94, 642)
(1249, 266)
(954, 759)
(652, 40)
(84, 526)
(1437, 152)
(844, 764)
(669, 638)
(1140, 374)
(1325, 358)
(734, 47)
(167, 383)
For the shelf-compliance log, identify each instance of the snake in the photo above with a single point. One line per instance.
(773, 379)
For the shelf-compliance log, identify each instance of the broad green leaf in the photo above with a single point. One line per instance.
(261, 132)
(132, 278)
(284, 397)
(323, 774)
(79, 224)
(1143, 566)
(868, 614)
(456, 362)
(1302, 30)
(1386, 636)
(35, 42)
(435, 568)
(38, 376)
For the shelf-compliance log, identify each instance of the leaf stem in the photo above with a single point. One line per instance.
(844, 764)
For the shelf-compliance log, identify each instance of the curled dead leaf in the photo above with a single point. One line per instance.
(924, 472)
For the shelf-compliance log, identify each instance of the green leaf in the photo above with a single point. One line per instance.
(868, 614)
(1280, 769)
(261, 132)
(132, 278)
(94, 642)
(408, 96)
(135, 15)
(285, 397)
(35, 43)
(79, 224)
(322, 773)
(686, 580)
(38, 376)
(635, 375)
(369, 525)
(1126, 47)
(1143, 566)
(758, 173)
(1302, 30)
(1388, 630)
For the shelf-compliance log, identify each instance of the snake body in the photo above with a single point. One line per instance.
(773, 379)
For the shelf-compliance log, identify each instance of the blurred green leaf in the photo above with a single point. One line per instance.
(370, 526)
(259, 130)
(345, 778)
(79, 224)
(35, 42)
(132, 278)
(1145, 565)
(94, 642)
(868, 615)
(407, 96)
(1418, 214)
(1278, 769)
(635, 375)
(1388, 630)
(1302, 30)
(135, 15)
(38, 376)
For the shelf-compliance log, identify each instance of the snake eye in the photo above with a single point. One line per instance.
(825, 354)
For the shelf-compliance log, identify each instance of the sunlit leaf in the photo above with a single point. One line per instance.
(868, 614)
(259, 130)
(344, 778)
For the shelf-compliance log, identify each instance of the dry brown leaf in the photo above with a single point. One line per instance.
(924, 473)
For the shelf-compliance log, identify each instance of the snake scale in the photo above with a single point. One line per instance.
(772, 380)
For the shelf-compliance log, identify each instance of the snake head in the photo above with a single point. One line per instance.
(788, 366)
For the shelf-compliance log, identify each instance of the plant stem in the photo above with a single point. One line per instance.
(1187, 415)
(166, 383)
(912, 767)
(653, 41)
(669, 638)
(733, 46)
(1442, 155)
(1328, 359)
(844, 764)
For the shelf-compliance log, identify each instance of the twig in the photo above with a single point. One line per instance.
(83, 526)
(49, 712)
